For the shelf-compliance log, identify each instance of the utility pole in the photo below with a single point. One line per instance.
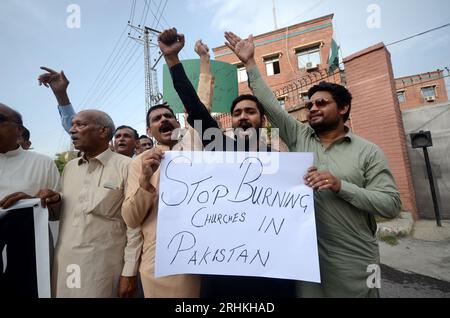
(152, 94)
(274, 15)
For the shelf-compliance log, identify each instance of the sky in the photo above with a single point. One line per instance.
(88, 40)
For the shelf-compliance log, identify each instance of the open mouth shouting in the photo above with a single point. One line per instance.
(166, 129)
(122, 144)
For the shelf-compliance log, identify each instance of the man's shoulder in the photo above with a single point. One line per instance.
(364, 143)
(121, 160)
(37, 157)
(119, 157)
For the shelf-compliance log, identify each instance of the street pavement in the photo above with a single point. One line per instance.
(419, 265)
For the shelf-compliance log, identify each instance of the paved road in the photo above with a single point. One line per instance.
(397, 284)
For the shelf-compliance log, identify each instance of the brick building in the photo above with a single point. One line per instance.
(376, 114)
(297, 57)
(421, 89)
(290, 58)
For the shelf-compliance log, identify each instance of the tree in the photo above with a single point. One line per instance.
(63, 158)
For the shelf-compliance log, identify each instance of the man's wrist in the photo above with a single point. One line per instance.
(205, 57)
(172, 60)
(62, 98)
(145, 184)
(47, 201)
(250, 63)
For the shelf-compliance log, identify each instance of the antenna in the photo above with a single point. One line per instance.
(275, 15)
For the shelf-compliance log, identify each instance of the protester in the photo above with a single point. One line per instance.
(247, 119)
(95, 250)
(23, 173)
(126, 141)
(145, 143)
(351, 179)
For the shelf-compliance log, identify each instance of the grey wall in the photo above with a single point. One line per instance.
(437, 120)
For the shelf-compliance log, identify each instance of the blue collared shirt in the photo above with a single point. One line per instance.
(67, 113)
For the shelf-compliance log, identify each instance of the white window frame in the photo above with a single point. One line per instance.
(299, 52)
(242, 74)
(268, 62)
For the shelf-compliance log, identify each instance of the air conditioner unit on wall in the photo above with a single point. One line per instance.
(430, 99)
(311, 66)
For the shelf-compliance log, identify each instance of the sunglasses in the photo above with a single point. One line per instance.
(320, 102)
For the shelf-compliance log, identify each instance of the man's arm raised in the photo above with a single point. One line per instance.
(245, 51)
(59, 83)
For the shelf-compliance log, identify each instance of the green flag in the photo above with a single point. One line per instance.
(225, 85)
(333, 61)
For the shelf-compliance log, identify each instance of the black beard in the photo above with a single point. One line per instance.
(326, 126)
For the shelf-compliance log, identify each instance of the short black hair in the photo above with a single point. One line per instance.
(25, 134)
(147, 137)
(240, 98)
(340, 94)
(135, 133)
(159, 106)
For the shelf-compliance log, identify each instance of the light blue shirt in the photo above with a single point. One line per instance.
(67, 113)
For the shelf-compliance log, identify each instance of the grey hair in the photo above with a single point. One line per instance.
(104, 120)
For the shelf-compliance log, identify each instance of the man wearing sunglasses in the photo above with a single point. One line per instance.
(351, 179)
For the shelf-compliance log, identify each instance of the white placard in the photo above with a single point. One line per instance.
(235, 213)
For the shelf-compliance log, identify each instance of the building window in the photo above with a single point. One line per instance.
(242, 74)
(303, 97)
(311, 55)
(272, 65)
(282, 101)
(429, 93)
(401, 96)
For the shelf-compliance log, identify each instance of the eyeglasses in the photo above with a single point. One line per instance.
(320, 102)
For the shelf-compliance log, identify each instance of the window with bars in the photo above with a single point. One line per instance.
(303, 97)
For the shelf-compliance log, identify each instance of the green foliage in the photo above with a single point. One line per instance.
(60, 161)
(380, 219)
(389, 239)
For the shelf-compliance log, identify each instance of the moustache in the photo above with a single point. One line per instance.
(166, 127)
